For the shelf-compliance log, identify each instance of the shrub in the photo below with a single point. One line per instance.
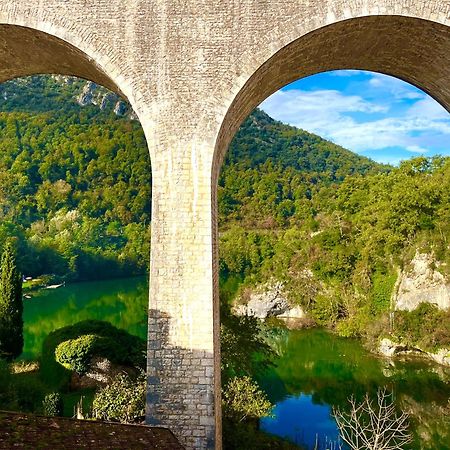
(7, 391)
(29, 393)
(110, 342)
(244, 350)
(11, 306)
(426, 327)
(382, 287)
(75, 354)
(325, 310)
(373, 425)
(243, 399)
(53, 404)
(122, 401)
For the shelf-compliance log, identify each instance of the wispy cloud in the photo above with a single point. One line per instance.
(416, 149)
(395, 88)
(383, 113)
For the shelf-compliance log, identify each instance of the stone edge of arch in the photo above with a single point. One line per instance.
(252, 64)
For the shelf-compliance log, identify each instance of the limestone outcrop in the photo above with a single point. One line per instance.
(269, 300)
(389, 348)
(422, 282)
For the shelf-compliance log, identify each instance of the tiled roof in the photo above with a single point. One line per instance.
(27, 431)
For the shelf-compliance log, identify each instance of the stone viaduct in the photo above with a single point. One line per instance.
(193, 70)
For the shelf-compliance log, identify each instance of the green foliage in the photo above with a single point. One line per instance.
(382, 289)
(426, 327)
(53, 404)
(75, 183)
(75, 191)
(325, 310)
(95, 337)
(11, 306)
(242, 399)
(19, 392)
(123, 400)
(75, 354)
(243, 349)
(7, 391)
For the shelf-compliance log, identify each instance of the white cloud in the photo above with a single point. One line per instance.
(416, 149)
(349, 120)
(393, 87)
(428, 108)
(346, 73)
(295, 101)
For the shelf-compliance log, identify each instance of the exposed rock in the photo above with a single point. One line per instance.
(120, 109)
(390, 349)
(269, 300)
(441, 357)
(87, 94)
(422, 283)
(101, 372)
(297, 312)
(63, 79)
(106, 100)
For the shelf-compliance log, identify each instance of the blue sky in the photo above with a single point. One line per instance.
(372, 114)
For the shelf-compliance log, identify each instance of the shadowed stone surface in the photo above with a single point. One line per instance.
(192, 72)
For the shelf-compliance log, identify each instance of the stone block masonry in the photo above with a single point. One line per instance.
(192, 72)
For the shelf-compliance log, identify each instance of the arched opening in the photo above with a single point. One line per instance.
(379, 44)
(75, 201)
(413, 50)
(27, 51)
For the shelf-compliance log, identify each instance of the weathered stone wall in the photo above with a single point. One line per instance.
(192, 71)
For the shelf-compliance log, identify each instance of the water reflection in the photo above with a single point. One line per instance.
(317, 370)
(303, 422)
(122, 302)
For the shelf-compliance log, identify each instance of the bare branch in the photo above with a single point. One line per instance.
(373, 425)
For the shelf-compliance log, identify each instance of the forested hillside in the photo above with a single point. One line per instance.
(76, 183)
(336, 228)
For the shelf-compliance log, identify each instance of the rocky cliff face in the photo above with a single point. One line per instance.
(269, 300)
(390, 349)
(421, 282)
(92, 94)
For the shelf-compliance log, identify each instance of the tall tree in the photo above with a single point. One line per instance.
(11, 306)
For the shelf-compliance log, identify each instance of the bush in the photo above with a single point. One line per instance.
(242, 399)
(76, 354)
(53, 404)
(97, 338)
(426, 327)
(325, 310)
(7, 391)
(382, 287)
(30, 391)
(121, 401)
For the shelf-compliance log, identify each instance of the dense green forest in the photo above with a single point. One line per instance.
(76, 181)
(75, 184)
(335, 227)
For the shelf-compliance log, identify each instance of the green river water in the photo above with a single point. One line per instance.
(315, 371)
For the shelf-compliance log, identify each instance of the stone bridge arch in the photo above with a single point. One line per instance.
(403, 41)
(414, 50)
(192, 72)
